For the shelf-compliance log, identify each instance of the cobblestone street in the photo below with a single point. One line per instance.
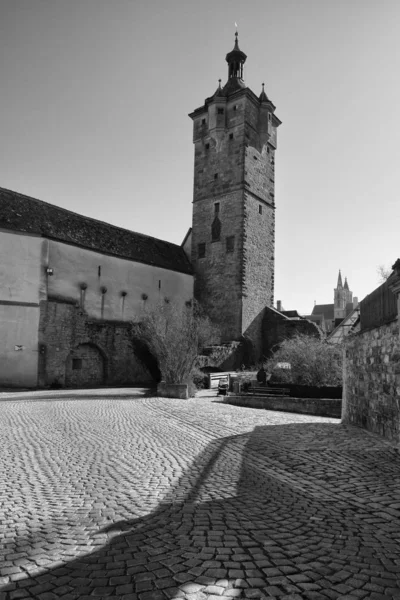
(155, 499)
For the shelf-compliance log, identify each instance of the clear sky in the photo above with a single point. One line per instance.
(93, 117)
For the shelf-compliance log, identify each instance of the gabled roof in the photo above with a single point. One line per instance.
(29, 215)
(324, 309)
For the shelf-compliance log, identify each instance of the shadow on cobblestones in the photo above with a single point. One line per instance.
(293, 512)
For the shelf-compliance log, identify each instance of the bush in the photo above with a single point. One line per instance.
(174, 335)
(199, 378)
(313, 362)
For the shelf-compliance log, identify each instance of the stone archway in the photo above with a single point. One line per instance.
(86, 366)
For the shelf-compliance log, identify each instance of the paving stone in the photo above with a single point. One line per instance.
(108, 493)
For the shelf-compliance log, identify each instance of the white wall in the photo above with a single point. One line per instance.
(22, 276)
(73, 266)
(19, 327)
(22, 280)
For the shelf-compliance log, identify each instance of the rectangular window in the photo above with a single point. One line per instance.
(230, 243)
(207, 146)
(215, 175)
(260, 209)
(201, 250)
(231, 136)
(203, 121)
(76, 364)
(235, 107)
(220, 111)
(216, 208)
(269, 116)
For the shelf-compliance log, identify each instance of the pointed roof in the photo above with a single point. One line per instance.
(339, 280)
(346, 285)
(263, 96)
(236, 54)
(219, 91)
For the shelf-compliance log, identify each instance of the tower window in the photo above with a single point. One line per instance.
(268, 150)
(235, 107)
(230, 243)
(207, 146)
(269, 116)
(201, 250)
(220, 111)
(231, 136)
(216, 208)
(76, 364)
(216, 229)
(260, 209)
(215, 175)
(203, 121)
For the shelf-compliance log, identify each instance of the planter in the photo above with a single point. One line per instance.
(173, 390)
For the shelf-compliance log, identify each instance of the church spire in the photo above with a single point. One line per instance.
(235, 59)
(346, 285)
(339, 280)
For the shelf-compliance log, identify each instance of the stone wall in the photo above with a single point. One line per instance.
(371, 393)
(277, 327)
(234, 186)
(77, 351)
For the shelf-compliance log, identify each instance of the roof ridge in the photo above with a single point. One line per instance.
(72, 212)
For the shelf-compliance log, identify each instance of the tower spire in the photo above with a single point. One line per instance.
(235, 59)
(339, 280)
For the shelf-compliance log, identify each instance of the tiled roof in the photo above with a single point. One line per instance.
(324, 309)
(22, 213)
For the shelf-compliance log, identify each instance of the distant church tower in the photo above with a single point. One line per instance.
(233, 229)
(342, 297)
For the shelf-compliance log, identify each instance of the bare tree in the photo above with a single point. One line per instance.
(383, 273)
(175, 335)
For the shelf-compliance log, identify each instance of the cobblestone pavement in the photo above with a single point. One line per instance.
(155, 499)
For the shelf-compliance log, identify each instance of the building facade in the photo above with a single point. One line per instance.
(233, 228)
(69, 288)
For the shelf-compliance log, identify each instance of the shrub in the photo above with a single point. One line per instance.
(313, 362)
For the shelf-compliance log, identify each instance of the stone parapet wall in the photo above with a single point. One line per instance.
(371, 394)
(322, 407)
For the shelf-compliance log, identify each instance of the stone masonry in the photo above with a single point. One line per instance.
(77, 351)
(371, 395)
(234, 134)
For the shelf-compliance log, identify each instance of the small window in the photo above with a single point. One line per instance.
(255, 157)
(216, 208)
(235, 107)
(215, 175)
(99, 271)
(268, 150)
(207, 146)
(201, 250)
(203, 121)
(231, 136)
(260, 209)
(76, 364)
(220, 111)
(269, 116)
(230, 243)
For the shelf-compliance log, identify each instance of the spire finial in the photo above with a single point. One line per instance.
(219, 83)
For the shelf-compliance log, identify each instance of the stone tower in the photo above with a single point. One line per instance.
(233, 229)
(342, 297)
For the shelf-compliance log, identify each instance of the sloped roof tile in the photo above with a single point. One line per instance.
(29, 215)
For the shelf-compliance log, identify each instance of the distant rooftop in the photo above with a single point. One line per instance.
(29, 215)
